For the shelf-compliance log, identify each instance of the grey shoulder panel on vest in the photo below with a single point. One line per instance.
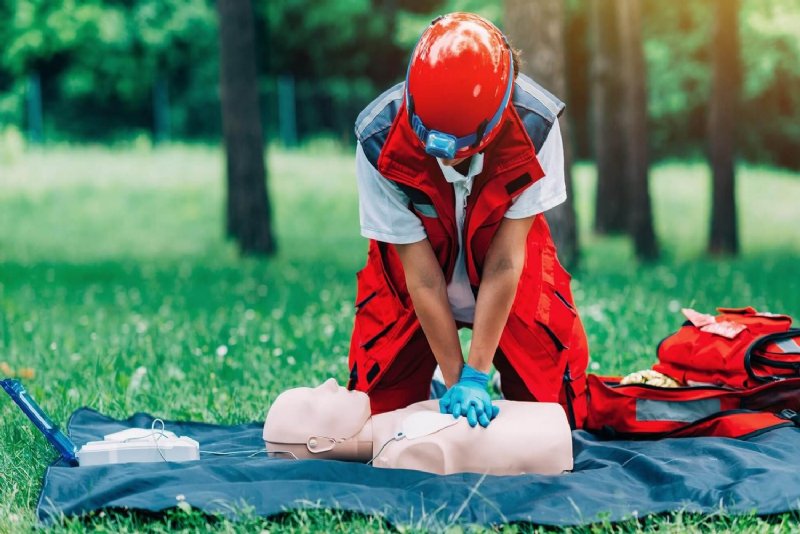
(537, 107)
(374, 122)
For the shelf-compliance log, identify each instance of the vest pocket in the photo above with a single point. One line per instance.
(377, 306)
(546, 309)
(556, 316)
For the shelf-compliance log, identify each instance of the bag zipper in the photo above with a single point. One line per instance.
(679, 388)
(736, 411)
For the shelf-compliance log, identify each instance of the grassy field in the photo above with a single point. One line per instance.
(118, 291)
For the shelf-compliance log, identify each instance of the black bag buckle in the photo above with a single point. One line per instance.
(790, 415)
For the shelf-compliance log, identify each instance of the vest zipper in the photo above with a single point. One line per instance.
(463, 239)
(468, 259)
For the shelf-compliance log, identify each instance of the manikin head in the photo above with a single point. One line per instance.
(311, 422)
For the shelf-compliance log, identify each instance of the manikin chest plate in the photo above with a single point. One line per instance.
(421, 424)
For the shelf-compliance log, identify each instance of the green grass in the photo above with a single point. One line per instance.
(118, 291)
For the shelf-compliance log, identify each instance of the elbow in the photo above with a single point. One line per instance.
(426, 281)
(506, 267)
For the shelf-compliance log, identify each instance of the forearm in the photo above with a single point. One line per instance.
(428, 289)
(505, 260)
(496, 295)
(436, 319)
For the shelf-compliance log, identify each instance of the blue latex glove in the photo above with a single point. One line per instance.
(469, 398)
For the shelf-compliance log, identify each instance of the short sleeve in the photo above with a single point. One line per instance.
(383, 207)
(551, 190)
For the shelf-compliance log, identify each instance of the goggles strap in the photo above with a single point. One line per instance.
(479, 134)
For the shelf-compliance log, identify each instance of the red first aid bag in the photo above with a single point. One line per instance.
(739, 348)
(645, 411)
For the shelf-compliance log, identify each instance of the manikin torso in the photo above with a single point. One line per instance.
(330, 422)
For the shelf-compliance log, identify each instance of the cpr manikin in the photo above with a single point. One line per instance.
(330, 422)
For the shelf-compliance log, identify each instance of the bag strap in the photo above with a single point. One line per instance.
(763, 340)
(737, 423)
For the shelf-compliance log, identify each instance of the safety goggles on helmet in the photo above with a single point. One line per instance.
(444, 145)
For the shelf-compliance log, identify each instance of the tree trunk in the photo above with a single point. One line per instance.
(610, 203)
(161, 124)
(536, 27)
(726, 83)
(34, 101)
(635, 134)
(248, 208)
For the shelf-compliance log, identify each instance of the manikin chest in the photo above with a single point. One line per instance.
(525, 438)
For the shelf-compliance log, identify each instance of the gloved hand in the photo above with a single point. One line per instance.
(469, 397)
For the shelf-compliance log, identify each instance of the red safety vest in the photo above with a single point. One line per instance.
(543, 331)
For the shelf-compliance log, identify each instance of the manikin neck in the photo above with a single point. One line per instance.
(358, 441)
(377, 431)
(363, 446)
(357, 448)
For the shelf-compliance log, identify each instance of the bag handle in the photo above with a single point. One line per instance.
(775, 336)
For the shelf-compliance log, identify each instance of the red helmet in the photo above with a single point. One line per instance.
(458, 85)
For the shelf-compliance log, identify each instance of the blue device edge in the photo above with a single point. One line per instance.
(60, 441)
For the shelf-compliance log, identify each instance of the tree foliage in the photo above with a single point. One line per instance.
(678, 52)
(99, 60)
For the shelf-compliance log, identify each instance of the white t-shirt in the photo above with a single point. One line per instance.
(385, 215)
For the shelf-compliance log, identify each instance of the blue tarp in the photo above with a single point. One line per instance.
(612, 480)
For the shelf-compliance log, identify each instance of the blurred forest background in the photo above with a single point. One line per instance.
(674, 80)
(116, 70)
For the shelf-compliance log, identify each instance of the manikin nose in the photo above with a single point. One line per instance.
(331, 385)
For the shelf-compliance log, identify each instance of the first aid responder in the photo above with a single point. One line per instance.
(455, 167)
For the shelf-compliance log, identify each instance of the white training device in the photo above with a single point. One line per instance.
(139, 445)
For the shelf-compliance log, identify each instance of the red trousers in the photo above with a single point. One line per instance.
(408, 379)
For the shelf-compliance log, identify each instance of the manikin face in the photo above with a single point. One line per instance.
(328, 410)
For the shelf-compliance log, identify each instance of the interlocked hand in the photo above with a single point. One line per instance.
(469, 398)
